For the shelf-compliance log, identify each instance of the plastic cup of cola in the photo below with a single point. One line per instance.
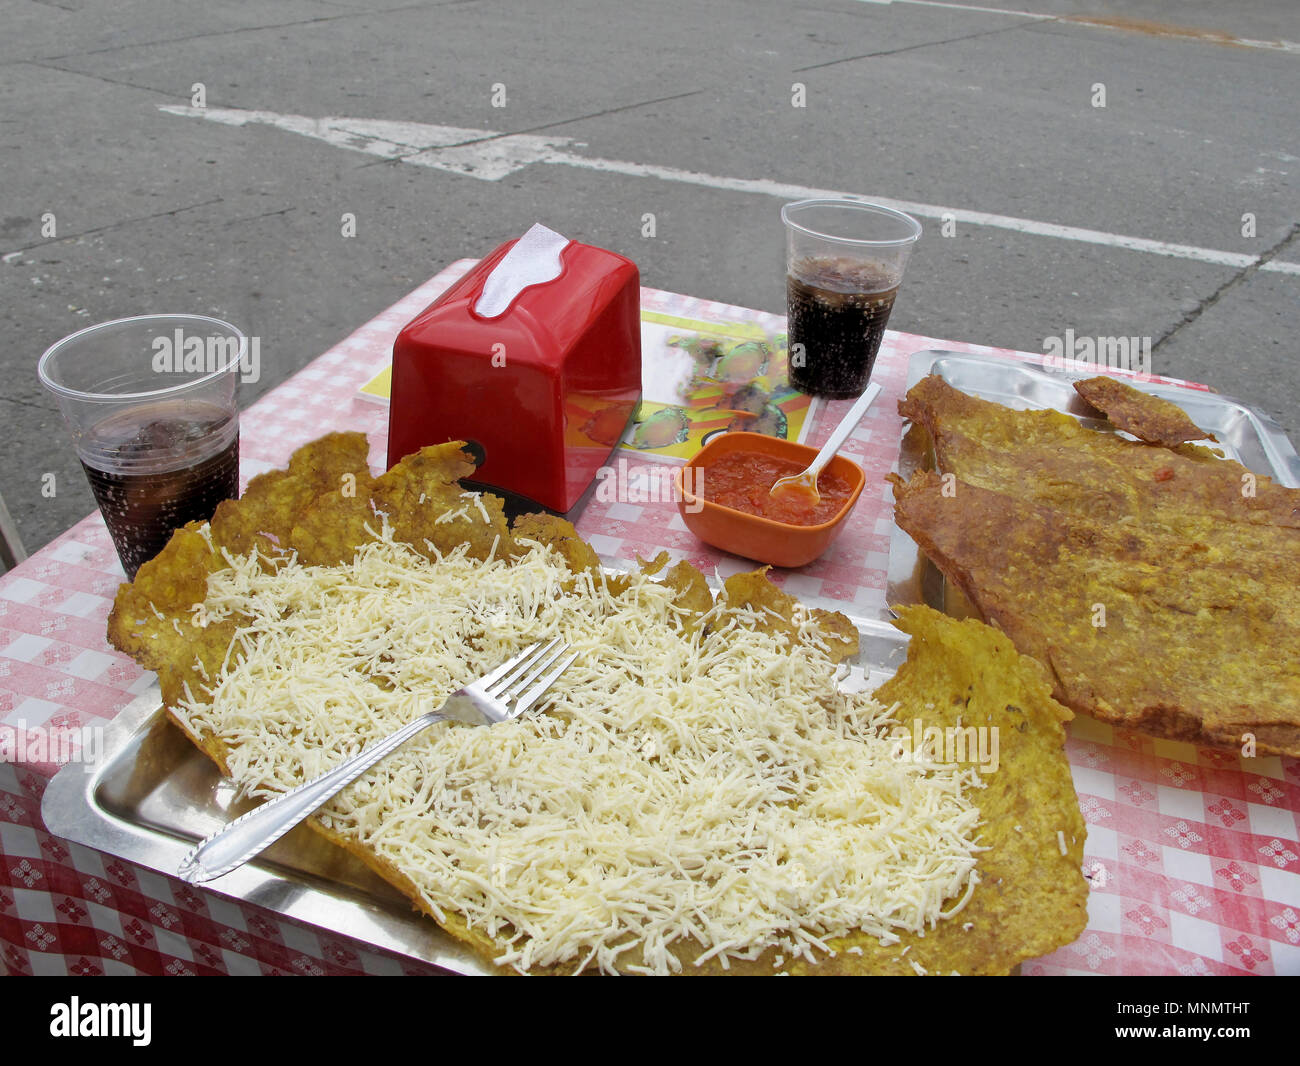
(150, 404)
(844, 262)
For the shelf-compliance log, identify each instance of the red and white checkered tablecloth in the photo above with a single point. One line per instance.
(1193, 854)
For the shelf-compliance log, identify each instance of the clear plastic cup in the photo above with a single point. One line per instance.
(844, 262)
(151, 406)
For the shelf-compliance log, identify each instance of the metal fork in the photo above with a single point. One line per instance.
(506, 693)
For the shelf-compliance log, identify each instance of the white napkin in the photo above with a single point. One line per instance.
(534, 259)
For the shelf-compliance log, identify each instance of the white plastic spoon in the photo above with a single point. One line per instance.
(806, 482)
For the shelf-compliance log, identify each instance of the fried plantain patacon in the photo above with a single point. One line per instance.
(1154, 581)
(1149, 418)
(696, 796)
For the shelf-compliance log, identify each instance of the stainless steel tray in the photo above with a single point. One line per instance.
(153, 795)
(1245, 434)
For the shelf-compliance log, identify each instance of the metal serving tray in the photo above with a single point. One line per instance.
(153, 796)
(1245, 434)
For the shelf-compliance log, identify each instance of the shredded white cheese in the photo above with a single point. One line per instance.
(451, 516)
(685, 797)
(477, 498)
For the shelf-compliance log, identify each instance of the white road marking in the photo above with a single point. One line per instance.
(965, 7)
(492, 156)
(480, 153)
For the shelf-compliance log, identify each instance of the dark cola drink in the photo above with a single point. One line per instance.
(155, 468)
(838, 309)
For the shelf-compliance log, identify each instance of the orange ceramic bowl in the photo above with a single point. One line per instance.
(755, 537)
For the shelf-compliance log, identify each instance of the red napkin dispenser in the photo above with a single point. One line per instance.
(542, 392)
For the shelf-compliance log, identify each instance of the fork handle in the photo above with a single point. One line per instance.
(257, 830)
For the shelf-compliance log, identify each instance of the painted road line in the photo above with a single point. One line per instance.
(491, 156)
(964, 7)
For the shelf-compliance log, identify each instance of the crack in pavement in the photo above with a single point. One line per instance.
(247, 29)
(109, 226)
(1238, 278)
(28, 403)
(912, 47)
(581, 118)
(254, 218)
(44, 65)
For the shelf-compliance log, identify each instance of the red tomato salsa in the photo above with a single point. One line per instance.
(744, 480)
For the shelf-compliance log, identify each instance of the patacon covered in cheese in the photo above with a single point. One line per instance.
(689, 793)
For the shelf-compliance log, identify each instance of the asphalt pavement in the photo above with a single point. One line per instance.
(1110, 169)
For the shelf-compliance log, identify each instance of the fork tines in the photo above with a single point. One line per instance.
(512, 680)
